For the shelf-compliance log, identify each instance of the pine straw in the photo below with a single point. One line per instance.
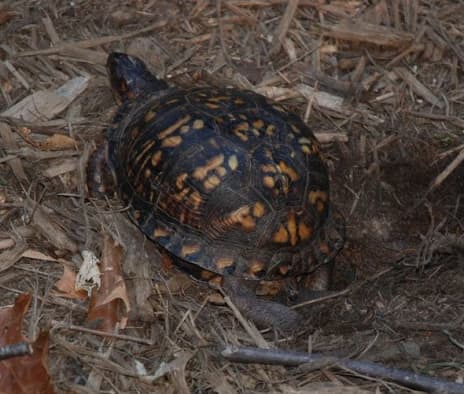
(382, 86)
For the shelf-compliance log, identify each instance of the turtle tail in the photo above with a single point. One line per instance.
(130, 77)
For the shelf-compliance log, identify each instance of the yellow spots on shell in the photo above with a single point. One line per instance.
(171, 142)
(242, 136)
(268, 181)
(283, 269)
(256, 267)
(255, 132)
(160, 232)
(187, 250)
(221, 171)
(180, 180)
(318, 198)
(295, 129)
(181, 195)
(241, 216)
(184, 129)
(195, 199)
(212, 105)
(291, 225)
(241, 129)
(156, 158)
(258, 124)
(306, 149)
(269, 168)
(135, 133)
(281, 236)
(233, 162)
(307, 146)
(145, 148)
(224, 262)
(147, 173)
(239, 101)
(324, 248)
(174, 127)
(207, 275)
(211, 182)
(258, 210)
(198, 124)
(149, 116)
(270, 130)
(304, 231)
(213, 142)
(201, 172)
(288, 171)
(217, 99)
(304, 140)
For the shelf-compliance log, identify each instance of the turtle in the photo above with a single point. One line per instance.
(229, 183)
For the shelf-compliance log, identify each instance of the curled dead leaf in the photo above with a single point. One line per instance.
(26, 374)
(66, 285)
(58, 142)
(109, 304)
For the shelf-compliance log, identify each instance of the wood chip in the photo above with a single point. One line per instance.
(418, 87)
(10, 143)
(63, 167)
(447, 171)
(370, 33)
(45, 104)
(49, 228)
(282, 28)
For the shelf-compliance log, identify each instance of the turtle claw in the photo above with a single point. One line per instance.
(263, 313)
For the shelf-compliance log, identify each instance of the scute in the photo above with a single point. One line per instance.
(222, 179)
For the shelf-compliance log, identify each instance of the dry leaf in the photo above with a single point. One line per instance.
(175, 370)
(45, 104)
(26, 374)
(67, 284)
(6, 14)
(58, 142)
(106, 303)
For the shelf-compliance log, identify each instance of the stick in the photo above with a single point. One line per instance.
(281, 357)
(15, 350)
(93, 42)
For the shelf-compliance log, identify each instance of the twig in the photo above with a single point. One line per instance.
(15, 350)
(281, 357)
(249, 328)
(447, 171)
(72, 327)
(94, 42)
(352, 288)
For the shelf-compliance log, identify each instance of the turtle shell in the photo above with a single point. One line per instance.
(223, 179)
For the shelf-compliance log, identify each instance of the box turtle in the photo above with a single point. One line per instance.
(229, 183)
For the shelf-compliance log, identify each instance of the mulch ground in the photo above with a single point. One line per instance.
(381, 85)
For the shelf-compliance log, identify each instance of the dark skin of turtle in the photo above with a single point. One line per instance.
(232, 186)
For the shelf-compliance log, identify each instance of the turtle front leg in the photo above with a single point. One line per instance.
(100, 179)
(263, 313)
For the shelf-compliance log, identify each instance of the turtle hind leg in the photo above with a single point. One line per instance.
(100, 179)
(263, 313)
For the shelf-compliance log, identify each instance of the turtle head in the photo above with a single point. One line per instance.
(130, 77)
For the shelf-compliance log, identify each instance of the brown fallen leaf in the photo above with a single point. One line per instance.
(6, 14)
(106, 302)
(58, 142)
(66, 285)
(46, 104)
(26, 374)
